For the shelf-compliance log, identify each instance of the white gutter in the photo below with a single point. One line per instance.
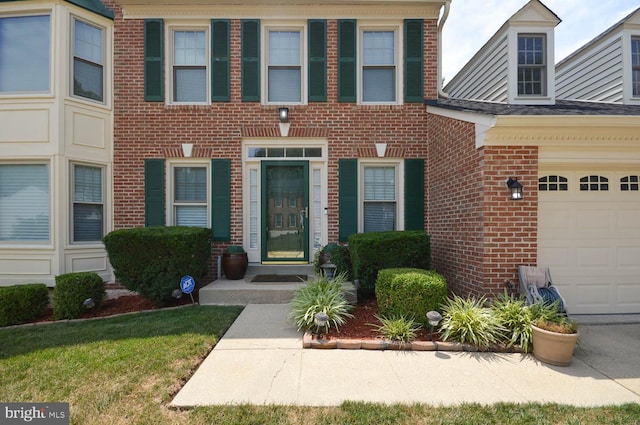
(441, 22)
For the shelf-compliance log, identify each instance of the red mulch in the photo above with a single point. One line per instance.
(361, 326)
(364, 324)
(123, 304)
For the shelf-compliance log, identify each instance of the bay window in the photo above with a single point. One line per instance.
(88, 61)
(24, 202)
(25, 54)
(88, 203)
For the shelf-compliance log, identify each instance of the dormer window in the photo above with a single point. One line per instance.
(635, 66)
(532, 65)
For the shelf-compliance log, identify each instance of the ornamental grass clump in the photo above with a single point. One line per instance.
(397, 328)
(468, 321)
(321, 295)
(516, 318)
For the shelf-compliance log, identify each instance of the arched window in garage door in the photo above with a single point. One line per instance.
(553, 184)
(594, 183)
(629, 183)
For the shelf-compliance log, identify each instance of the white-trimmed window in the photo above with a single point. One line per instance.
(88, 203)
(635, 66)
(532, 65)
(88, 60)
(285, 75)
(189, 65)
(379, 70)
(190, 201)
(25, 54)
(380, 197)
(25, 201)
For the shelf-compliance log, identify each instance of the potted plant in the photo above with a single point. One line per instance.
(554, 339)
(234, 262)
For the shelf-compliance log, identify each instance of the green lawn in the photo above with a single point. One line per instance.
(126, 370)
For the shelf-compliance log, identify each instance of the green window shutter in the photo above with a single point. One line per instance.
(414, 194)
(250, 60)
(153, 48)
(317, 60)
(347, 198)
(221, 199)
(154, 192)
(220, 85)
(347, 60)
(413, 60)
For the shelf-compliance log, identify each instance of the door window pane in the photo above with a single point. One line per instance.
(25, 54)
(24, 202)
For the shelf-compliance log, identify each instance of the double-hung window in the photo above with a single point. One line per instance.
(88, 203)
(24, 202)
(285, 55)
(25, 54)
(190, 200)
(189, 73)
(531, 65)
(88, 60)
(380, 198)
(635, 66)
(379, 59)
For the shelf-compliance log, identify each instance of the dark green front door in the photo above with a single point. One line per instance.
(285, 211)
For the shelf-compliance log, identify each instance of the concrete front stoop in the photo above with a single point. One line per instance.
(243, 292)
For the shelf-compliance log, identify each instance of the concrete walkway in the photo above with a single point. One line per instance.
(260, 360)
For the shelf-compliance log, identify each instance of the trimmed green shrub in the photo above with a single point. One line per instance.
(339, 256)
(152, 260)
(318, 296)
(410, 292)
(21, 303)
(374, 251)
(72, 289)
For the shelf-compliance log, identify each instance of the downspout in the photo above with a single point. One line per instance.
(443, 19)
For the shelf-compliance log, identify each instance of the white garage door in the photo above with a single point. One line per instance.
(589, 236)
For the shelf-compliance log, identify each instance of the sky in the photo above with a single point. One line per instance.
(472, 22)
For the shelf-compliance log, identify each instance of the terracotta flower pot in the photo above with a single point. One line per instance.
(234, 265)
(552, 347)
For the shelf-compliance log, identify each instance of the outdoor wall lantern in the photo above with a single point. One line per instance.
(515, 187)
(284, 115)
(284, 121)
(434, 318)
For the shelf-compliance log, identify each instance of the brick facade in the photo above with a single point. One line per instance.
(478, 235)
(156, 130)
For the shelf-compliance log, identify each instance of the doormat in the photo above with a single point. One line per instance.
(279, 278)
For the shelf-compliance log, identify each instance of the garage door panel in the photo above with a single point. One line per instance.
(593, 257)
(592, 221)
(591, 242)
(627, 221)
(628, 295)
(628, 257)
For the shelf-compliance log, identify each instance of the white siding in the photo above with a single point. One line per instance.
(595, 74)
(485, 77)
